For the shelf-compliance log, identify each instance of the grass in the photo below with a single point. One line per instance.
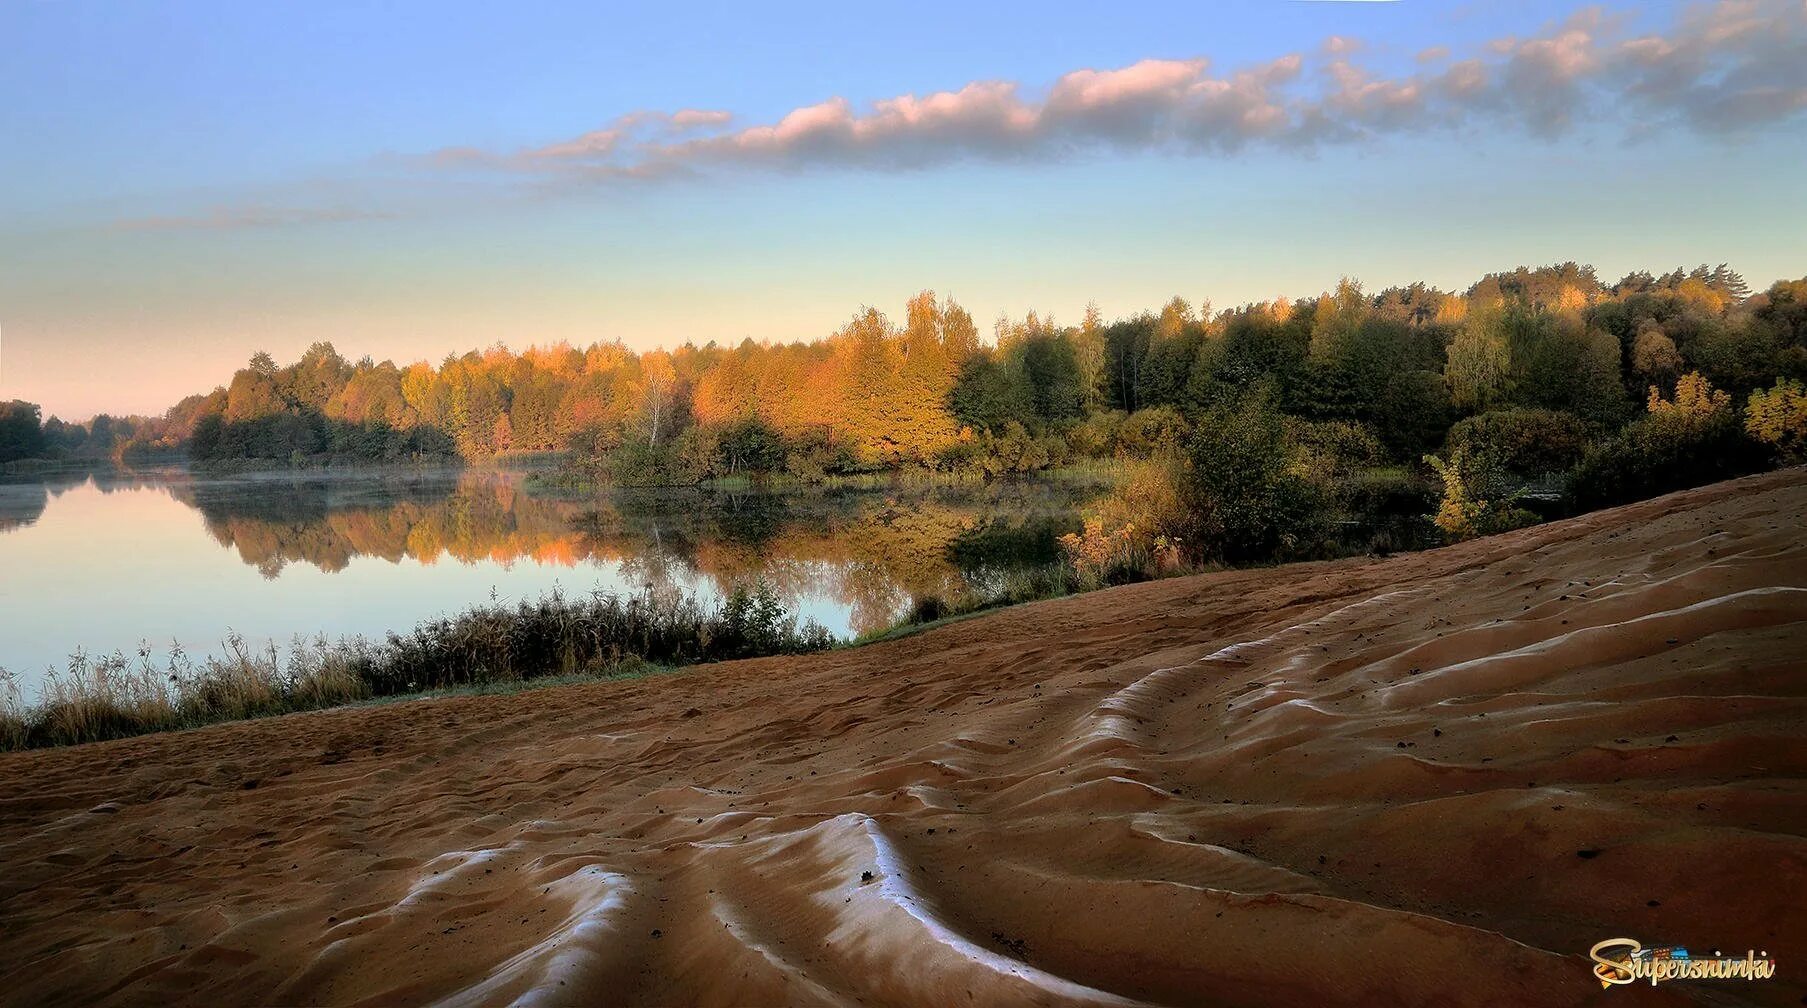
(913, 624)
(626, 672)
(491, 648)
(486, 650)
(1001, 590)
(1080, 473)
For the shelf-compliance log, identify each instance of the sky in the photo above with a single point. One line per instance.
(185, 183)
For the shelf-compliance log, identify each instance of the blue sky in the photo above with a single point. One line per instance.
(189, 182)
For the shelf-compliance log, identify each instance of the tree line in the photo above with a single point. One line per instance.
(1391, 376)
(26, 436)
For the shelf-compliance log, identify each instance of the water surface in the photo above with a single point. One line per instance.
(118, 561)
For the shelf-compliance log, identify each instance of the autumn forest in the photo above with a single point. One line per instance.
(1545, 379)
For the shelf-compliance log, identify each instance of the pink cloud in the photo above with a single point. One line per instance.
(1722, 67)
(685, 119)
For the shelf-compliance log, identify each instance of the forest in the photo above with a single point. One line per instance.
(1240, 429)
(1350, 422)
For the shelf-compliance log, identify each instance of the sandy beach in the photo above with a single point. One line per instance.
(1430, 779)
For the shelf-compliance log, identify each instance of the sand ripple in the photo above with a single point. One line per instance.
(1427, 780)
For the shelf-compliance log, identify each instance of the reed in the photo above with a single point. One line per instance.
(115, 696)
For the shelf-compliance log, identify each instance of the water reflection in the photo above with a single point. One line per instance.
(22, 505)
(853, 559)
(23, 499)
(873, 552)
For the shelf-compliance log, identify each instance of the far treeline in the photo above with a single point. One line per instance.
(1536, 380)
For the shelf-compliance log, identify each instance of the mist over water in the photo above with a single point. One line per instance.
(118, 561)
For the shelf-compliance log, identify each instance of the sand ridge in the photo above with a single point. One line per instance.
(1432, 779)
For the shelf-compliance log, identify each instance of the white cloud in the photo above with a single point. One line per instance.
(1723, 67)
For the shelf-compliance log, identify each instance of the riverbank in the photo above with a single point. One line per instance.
(1096, 473)
(599, 636)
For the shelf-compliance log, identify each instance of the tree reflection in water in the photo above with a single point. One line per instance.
(874, 552)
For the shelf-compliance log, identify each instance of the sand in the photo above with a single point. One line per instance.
(1433, 779)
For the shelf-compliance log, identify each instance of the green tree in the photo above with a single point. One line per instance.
(1126, 346)
(1247, 501)
(1479, 366)
(1051, 372)
(1413, 412)
(1089, 355)
(21, 432)
(989, 392)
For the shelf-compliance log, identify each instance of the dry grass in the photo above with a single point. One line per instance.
(115, 696)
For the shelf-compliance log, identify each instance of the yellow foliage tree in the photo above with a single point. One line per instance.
(1478, 498)
(1778, 416)
(1697, 404)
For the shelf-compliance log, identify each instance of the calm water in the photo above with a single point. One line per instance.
(116, 561)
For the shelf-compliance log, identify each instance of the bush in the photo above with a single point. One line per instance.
(813, 454)
(1099, 552)
(753, 622)
(1249, 502)
(1012, 450)
(928, 609)
(1527, 442)
(1096, 435)
(1139, 530)
(1152, 431)
(1479, 496)
(1330, 453)
(1690, 441)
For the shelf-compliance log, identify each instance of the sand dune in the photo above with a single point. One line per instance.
(1434, 779)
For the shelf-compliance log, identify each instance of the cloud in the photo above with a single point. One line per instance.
(685, 119)
(1724, 66)
(1721, 68)
(1734, 65)
(621, 135)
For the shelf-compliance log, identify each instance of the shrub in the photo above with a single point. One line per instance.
(1479, 497)
(1249, 502)
(1098, 551)
(1096, 435)
(1012, 449)
(1139, 530)
(1332, 452)
(753, 622)
(1691, 440)
(813, 454)
(1152, 431)
(928, 609)
(1528, 442)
